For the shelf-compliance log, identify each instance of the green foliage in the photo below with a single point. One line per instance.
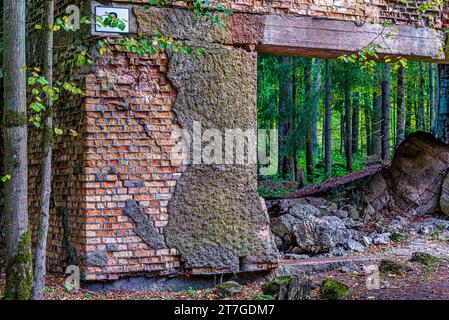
(364, 82)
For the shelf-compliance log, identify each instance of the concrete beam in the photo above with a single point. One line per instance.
(326, 38)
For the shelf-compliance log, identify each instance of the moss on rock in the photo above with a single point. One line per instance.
(334, 290)
(273, 287)
(391, 266)
(228, 289)
(424, 258)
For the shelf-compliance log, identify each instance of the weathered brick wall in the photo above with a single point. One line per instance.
(365, 10)
(129, 123)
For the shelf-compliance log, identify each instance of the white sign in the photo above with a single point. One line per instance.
(121, 14)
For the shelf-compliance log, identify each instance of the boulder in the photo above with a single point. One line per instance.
(283, 225)
(228, 289)
(333, 289)
(289, 287)
(300, 211)
(355, 246)
(314, 235)
(444, 197)
(415, 175)
(388, 266)
(424, 258)
(383, 238)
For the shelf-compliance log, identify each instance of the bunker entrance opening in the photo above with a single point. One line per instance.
(330, 117)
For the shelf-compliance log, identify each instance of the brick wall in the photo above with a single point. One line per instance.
(366, 10)
(129, 122)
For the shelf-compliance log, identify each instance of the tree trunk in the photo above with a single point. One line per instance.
(400, 124)
(348, 131)
(432, 100)
(19, 270)
(443, 117)
(386, 113)
(328, 120)
(286, 163)
(368, 127)
(420, 112)
(316, 101)
(310, 116)
(342, 131)
(355, 124)
(46, 165)
(437, 101)
(377, 117)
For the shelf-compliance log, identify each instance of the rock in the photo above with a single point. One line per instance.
(383, 238)
(355, 246)
(314, 235)
(274, 286)
(283, 225)
(353, 212)
(297, 251)
(415, 173)
(291, 287)
(299, 289)
(367, 240)
(368, 211)
(228, 289)
(424, 258)
(300, 211)
(278, 242)
(387, 266)
(424, 230)
(337, 251)
(376, 191)
(333, 289)
(399, 236)
(352, 224)
(342, 214)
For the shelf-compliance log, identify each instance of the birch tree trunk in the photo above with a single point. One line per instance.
(46, 165)
(19, 274)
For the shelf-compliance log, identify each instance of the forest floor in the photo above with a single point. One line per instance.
(416, 283)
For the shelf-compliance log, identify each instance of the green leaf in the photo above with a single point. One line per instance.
(59, 131)
(6, 178)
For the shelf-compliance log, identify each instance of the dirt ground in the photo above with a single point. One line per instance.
(420, 283)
